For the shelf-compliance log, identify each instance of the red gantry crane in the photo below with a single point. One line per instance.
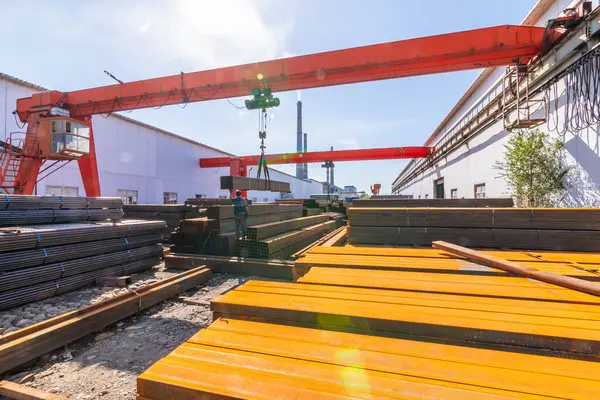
(59, 124)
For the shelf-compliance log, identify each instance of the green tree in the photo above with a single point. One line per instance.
(533, 168)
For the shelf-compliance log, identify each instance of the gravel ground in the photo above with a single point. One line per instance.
(105, 365)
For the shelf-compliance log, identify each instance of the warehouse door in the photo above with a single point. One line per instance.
(438, 188)
(64, 191)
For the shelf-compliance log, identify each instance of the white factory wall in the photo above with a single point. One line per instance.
(473, 163)
(138, 157)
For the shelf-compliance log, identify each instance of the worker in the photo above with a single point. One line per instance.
(240, 212)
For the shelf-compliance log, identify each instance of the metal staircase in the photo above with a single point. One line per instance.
(11, 156)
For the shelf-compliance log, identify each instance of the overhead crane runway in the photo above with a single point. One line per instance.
(420, 326)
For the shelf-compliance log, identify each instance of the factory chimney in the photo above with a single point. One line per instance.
(305, 165)
(300, 166)
(331, 180)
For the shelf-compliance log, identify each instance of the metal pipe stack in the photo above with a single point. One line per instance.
(40, 261)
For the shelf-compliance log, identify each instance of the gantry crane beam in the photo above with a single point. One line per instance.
(388, 153)
(479, 48)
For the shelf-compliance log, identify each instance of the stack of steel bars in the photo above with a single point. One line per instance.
(28, 210)
(37, 262)
(172, 214)
(564, 229)
(282, 239)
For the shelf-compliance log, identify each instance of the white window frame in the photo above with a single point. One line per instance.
(61, 191)
(169, 198)
(129, 196)
(454, 193)
(481, 194)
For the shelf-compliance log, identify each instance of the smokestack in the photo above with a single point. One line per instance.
(331, 180)
(305, 166)
(299, 167)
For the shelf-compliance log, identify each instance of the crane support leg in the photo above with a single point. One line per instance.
(28, 173)
(88, 166)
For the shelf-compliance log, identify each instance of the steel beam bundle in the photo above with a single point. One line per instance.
(279, 269)
(485, 202)
(21, 238)
(48, 255)
(11, 202)
(40, 291)
(283, 245)
(243, 183)
(536, 327)
(543, 229)
(29, 276)
(172, 214)
(202, 202)
(33, 217)
(375, 259)
(27, 344)
(259, 232)
(306, 362)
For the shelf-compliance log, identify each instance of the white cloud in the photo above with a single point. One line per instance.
(189, 35)
(144, 28)
(347, 144)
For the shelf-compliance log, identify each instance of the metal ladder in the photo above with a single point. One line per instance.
(11, 157)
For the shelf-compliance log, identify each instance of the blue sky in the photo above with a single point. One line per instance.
(66, 45)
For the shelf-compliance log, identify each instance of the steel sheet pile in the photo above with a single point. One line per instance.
(40, 261)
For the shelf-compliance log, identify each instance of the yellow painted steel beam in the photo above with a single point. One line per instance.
(436, 368)
(534, 331)
(512, 255)
(552, 366)
(432, 265)
(582, 315)
(518, 291)
(356, 382)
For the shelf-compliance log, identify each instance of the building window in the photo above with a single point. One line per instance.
(222, 197)
(265, 199)
(128, 196)
(419, 196)
(200, 196)
(454, 193)
(438, 188)
(254, 199)
(169, 198)
(63, 191)
(480, 191)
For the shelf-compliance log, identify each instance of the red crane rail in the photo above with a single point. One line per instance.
(388, 153)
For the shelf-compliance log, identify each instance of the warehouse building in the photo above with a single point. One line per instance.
(472, 137)
(138, 162)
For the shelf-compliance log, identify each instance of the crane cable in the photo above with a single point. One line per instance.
(262, 134)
